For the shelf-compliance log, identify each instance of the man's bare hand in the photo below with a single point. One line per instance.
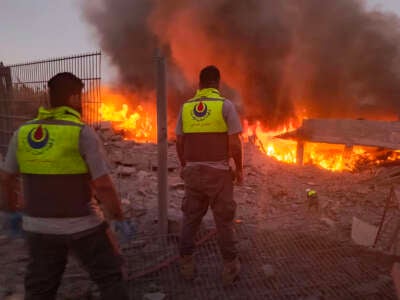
(104, 190)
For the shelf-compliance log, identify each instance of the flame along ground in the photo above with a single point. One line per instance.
(138, 122)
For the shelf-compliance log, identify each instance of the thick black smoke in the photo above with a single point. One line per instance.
(332, 58)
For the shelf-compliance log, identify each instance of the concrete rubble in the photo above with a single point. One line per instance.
(272, 197)
(268, 271)
(154, 296)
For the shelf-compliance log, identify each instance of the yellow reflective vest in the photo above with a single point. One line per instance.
(49, 144)
(203, 113)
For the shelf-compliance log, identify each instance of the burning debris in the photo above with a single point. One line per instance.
(336, 150)
(137, 124)
(334, 144)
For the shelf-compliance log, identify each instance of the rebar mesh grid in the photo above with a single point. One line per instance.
(305, 266)
(23, 88)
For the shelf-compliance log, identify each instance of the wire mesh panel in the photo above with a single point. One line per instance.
(23, 88)
(275, 265)
(285, 265)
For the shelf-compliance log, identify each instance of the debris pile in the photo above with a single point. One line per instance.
(273, 197)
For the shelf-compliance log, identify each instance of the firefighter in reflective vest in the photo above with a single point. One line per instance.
(208, 134)
(63, 167)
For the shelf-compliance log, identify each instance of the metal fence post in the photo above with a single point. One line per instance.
(162, 143)
(5, 100)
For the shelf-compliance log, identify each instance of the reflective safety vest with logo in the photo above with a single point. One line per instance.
(204, 127)
(56, 180)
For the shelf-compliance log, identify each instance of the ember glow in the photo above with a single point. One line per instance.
(134, 122)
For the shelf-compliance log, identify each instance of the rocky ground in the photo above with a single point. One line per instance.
(272, 197)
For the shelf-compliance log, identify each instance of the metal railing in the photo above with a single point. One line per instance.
(23, 89)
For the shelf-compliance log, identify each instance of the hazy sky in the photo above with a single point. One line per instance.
(39, 29)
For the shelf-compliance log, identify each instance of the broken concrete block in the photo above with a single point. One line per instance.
(129, 159)
(116, 156)
(119, 144)
(125, 201)
(268, 270)
(142, 191)
(328, 222)
(126, 171)
(139, 212)
(363, 233)
(154, 296)
(179, 185)
(116, 137)
(141, 175)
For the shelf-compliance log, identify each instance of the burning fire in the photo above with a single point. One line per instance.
(138, 124)
(327, 156)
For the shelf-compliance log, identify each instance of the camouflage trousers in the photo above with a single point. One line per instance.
(208, 187)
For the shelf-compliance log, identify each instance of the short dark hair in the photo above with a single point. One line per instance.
(62, 86)
(209, 75)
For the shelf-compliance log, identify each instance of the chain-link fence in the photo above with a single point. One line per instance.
(23, 88)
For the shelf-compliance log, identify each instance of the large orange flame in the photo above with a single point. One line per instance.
(138, 124)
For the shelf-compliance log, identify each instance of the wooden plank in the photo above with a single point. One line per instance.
(352, 132)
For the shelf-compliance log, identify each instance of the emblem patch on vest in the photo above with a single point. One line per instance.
(38, 137)
(200, 111)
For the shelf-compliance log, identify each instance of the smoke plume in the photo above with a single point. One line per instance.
(279, 60)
